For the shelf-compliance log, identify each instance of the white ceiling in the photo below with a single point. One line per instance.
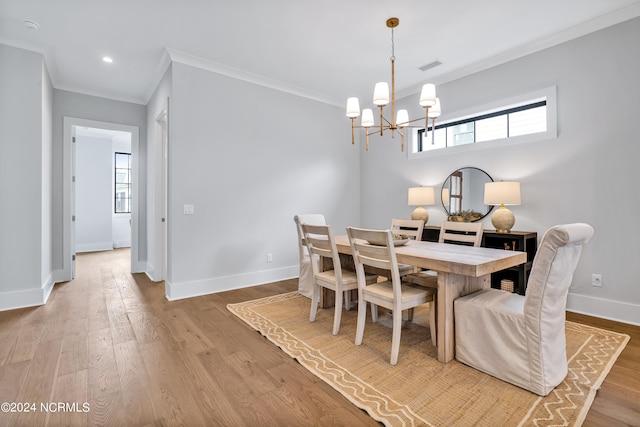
(327, 49)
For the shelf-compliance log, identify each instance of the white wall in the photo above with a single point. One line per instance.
(25, 144)
(249, 158)
(93, 194)
(588, 174)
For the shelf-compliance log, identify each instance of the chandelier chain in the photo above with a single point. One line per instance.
(393, 47)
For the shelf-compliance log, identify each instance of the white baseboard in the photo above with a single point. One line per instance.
(27, 297)
(151, 273)
(176, 291)
(123, 244)
(604, 308)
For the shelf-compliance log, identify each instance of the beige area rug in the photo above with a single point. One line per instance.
(419, 390)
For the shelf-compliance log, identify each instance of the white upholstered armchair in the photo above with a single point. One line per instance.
(306, 282)
(521, 339)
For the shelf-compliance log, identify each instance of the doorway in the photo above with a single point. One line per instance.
(80, 128)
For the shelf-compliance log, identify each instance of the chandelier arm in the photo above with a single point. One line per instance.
(353, 130)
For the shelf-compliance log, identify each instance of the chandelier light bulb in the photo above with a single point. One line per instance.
(402, 118)
(428, 95)
(367, 118)
(381, 93)
(353, 107)
(436, 110)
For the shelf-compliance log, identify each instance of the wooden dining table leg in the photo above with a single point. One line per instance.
(450, 287)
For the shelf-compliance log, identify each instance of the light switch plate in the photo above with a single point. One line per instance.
(188, 209)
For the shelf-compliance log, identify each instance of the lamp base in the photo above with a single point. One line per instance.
(503, 220)
(420, 213)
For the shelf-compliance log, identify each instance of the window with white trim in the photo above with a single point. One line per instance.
(525, 118)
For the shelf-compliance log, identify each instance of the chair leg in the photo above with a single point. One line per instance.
(410, 314)
(315, 299)
(395, 337)
(347, 300)
(362, 317)
(374, 313)
(337, 312)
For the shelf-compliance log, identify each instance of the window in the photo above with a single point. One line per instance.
(515, 121)
(122, 183)
(526, 118)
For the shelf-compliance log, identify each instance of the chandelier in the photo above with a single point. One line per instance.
(399, 121)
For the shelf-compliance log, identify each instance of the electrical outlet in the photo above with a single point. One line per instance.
(596, 280)
(269, 257)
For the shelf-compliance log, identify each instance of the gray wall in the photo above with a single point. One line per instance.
(25, 210)
(249, 158)
(588, 174)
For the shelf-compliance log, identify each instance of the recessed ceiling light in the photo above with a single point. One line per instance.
(30, 24)
(107, 59)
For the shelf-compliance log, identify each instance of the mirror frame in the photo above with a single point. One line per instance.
(470, 217)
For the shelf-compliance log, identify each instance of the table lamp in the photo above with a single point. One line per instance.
(421, 196)
(445, 197)
(502, 193)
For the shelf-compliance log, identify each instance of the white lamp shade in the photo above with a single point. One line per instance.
(381, 94)
(420, 196)
(502, 193)
(367, 118)
(402, 118)
(353, 107)
(436, 110)
(445, 197)
(428, 95)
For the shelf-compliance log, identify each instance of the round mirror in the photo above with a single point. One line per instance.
(463, 195)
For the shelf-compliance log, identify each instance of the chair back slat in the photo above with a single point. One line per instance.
(374, 248)
(464, 233)
(411, 228)
(320, 241)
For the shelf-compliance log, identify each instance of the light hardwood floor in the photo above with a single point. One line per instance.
(112, 340)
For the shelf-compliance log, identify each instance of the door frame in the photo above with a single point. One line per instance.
(68, 198)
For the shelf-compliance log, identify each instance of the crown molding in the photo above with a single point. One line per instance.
(225, 70)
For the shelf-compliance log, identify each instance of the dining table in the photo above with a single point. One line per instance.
(461, 271)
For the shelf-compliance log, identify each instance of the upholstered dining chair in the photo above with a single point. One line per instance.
(305, 280)
(460, 233)
(320, 242)
(375, 248)
(521, 339)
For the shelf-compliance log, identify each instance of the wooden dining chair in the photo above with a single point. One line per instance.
(409, 228)
(375, 248)
(320, 242)
(460, 233)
